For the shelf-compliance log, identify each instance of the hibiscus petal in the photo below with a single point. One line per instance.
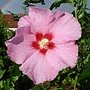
(24, 21)
(32, 67)
(66, 29)
(39, 69)
(19, 48)
(24, 30)
(59, 14)
(68, 53)
(55, 61)
(41, 19)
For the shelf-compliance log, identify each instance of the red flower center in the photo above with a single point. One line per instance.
(43, 42)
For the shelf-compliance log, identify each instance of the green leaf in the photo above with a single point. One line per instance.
(1, 73)
(38, 87)
(14, 70)
(57, 3)
(86, 72)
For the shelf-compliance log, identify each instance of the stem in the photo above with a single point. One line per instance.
(75, 8)
(75, 83)
(43, 88)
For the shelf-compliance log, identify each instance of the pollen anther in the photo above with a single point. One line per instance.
(43, 43)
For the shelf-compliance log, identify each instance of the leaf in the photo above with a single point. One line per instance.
(14, 70)
(58, 3)
(86, 72)
(1, 73)
(38, 87)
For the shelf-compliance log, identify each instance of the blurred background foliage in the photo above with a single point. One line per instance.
(77, 78)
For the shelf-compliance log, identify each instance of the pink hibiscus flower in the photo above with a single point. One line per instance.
(44, 44)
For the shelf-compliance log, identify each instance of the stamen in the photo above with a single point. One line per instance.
(43, 43)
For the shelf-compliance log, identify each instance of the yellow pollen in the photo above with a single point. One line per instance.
(43, 43)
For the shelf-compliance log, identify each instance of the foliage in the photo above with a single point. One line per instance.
(77, 78)
(32, 2)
